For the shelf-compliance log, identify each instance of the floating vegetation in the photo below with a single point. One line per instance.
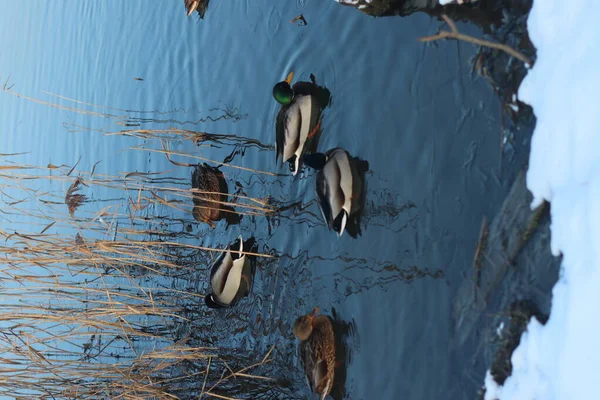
(74, 200)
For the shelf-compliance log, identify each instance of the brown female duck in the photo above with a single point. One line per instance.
(212, 193)
(317, 351)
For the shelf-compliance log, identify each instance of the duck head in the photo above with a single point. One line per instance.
(303, 326)
(283, 91)
(210, 302)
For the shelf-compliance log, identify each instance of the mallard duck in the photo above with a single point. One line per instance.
(339, 186)
(230, 277)
(317, 351)
(212, 192)
(299, 118)
(196, 5)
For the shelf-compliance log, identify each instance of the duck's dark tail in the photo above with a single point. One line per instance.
(339, 223)
(315, 160)
(231, 217)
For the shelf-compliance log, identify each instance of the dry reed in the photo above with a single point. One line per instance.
(75, 322)
(90, 303)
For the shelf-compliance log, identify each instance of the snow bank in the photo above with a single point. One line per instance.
(560, 360)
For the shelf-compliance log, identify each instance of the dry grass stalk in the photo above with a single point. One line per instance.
(138, 182)
(168, 153)
(74, 317)
(61, 107)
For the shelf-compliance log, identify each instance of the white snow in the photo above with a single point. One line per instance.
(560, 360)
(491, 387)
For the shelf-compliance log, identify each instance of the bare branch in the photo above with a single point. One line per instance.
(454, 34)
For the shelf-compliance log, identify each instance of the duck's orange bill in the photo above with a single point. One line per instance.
(289, 78)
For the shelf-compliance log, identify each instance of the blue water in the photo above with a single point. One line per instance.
(429, 129)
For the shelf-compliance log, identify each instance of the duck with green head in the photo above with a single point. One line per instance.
(317, 351)
(230, 277)
(299, 118)
(339, 186)
(196, 5)
(210, 195)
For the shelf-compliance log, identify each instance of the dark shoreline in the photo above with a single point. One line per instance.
(514, 271)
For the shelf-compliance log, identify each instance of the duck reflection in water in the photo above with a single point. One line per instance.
(298, 122)
(212, 192)
(232, 274)
(340, 189)
(196, 5)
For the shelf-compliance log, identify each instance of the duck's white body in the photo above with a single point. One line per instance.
(230, 276)
(297, 125)
(338, 186)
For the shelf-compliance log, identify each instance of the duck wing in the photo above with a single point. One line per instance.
(220, 271)
(330, 192)
(317, 355)
(291, 131)
(196, 5)
(280, 124)
(306, 356)
(232, 283)
(203, 7)
(305, 111)
(323, 196)
(320, 376)
(191, 6)
(293, 126)
(311, 90)
(237, 248)
(346, 177)
(324, 355)
(288, 131)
